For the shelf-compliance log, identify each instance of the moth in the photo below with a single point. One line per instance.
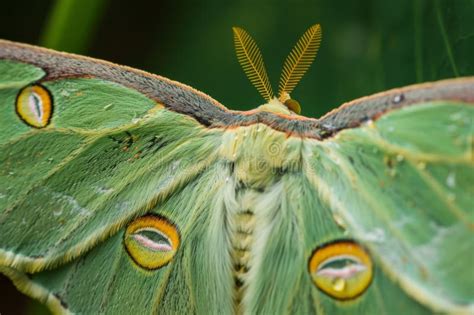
(126, 192)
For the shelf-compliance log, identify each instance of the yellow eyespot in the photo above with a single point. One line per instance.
(151, 241)
(34, 105)
(341, 269)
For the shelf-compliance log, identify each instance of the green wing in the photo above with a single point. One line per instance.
(403, 185)
(72, 186)
(302, 221)
(106, 280)
(107, 156)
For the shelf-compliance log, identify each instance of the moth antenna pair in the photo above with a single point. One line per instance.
(296, 64)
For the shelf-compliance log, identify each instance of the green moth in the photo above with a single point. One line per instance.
(126, 192)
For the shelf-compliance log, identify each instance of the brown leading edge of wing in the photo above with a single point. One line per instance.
(183, 99)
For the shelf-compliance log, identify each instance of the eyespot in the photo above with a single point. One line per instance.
(151, 241)
(34, 105)
(341, 269)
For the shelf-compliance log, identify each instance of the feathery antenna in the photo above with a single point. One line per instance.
(251, 60)
(299, 60)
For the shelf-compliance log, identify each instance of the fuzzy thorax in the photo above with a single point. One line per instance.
(258, 154)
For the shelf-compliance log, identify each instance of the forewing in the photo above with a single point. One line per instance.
(107, 155)
(402, 185)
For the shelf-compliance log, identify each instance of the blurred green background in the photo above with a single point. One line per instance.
(368, 46)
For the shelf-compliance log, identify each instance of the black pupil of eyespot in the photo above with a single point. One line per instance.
(339, 263)
(37, 101)
(156, 237)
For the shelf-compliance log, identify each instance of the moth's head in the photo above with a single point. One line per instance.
(296, 64)
(279, 107)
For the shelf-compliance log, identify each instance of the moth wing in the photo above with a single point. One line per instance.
(107, 154)
(106, 279)
(402, 185)
(301, 220)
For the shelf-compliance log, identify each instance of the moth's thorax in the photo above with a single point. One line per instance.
(275, 106)
(259, 154)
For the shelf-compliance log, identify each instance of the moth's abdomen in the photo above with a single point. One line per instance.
(242, 239)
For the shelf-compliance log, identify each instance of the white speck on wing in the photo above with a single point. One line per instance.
(451, 180)
(377, 235)
(75, 207)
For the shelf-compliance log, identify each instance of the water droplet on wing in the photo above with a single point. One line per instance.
(451, 180)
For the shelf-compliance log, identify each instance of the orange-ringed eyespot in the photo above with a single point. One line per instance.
(151, 241)
(34, 105)
(342, 269)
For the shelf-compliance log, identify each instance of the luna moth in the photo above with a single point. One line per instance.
(126, 192)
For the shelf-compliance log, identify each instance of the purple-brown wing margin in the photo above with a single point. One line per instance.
(183, 99)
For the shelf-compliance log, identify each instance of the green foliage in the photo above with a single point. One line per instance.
(71, 24)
